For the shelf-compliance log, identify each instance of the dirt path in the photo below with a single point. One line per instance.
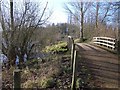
(103, 64)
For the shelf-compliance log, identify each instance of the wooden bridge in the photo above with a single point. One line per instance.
(103, 64)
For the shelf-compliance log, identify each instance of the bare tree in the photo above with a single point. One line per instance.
(78, 9)
(117, 19)
(97, 13)
(20, 38)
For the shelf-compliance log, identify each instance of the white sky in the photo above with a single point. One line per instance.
(57, 6)
(59, 15)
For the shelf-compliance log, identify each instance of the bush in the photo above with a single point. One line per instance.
(57, 48)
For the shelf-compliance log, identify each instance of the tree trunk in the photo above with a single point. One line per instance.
(0, 14)
(11, 49)
(11, 15)
(119, 29)
(11, 56)
(21, 61)
(97, 9)
(81, 23)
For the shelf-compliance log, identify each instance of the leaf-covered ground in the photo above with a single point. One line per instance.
(53, 72)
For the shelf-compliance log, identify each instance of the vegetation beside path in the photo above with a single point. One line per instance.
(52, 72)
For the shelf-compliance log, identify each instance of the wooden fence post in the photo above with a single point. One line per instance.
(73, 86)
(68, 44)
(17, 79)
(72, 50)
(72, 55)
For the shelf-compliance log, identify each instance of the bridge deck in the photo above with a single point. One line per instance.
(103, 64)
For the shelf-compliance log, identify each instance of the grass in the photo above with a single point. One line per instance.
(60, 47)
(46, 82)
(79, 41)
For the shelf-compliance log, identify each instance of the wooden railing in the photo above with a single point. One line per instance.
(105, 41)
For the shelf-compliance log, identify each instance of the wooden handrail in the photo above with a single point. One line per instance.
(105, 41)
